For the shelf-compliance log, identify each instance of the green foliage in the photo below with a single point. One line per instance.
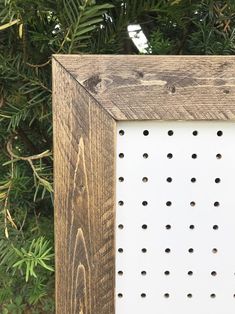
(159, 44)
(193, 27)
(30, 32)
(27, 262)
(37, 254)
(17, 307)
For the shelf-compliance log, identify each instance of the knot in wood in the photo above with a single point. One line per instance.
(92, 83)
(81, 188)
(171, 88)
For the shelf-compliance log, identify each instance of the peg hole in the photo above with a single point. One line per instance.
(146, 132)
(121, 132)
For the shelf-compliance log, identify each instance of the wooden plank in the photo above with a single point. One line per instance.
(158, 87)
(84, 149)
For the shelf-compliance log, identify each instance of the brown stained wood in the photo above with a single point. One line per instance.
(89, 93)
(84, 149)
(158, 87)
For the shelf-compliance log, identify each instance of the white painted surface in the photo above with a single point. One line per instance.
(209, 294)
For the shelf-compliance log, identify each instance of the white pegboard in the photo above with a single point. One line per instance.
(175, 218)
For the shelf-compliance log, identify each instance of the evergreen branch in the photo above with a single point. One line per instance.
(81, 18)
(37, 253)
(39, 65)
(46, 153)
(35, 82)
(6, 195)
(14, 70)
(64, 41)
(43, 182)
(30, 145)
(27, 141)
(4, 26)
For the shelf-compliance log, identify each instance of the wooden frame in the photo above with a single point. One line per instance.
(90, 94)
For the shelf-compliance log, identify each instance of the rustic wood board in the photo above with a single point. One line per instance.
(158, 87)
(84, 199)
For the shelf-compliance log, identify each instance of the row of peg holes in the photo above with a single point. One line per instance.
(169, 203)
(171, 133)
(168, 179)
(170, 156)
(167, 273)
(167, 250)
(168, 227)
(167, 295)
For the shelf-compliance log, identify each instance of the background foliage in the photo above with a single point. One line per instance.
(30, 32)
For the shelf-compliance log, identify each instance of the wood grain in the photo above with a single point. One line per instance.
(84, 150)
(158, 87)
